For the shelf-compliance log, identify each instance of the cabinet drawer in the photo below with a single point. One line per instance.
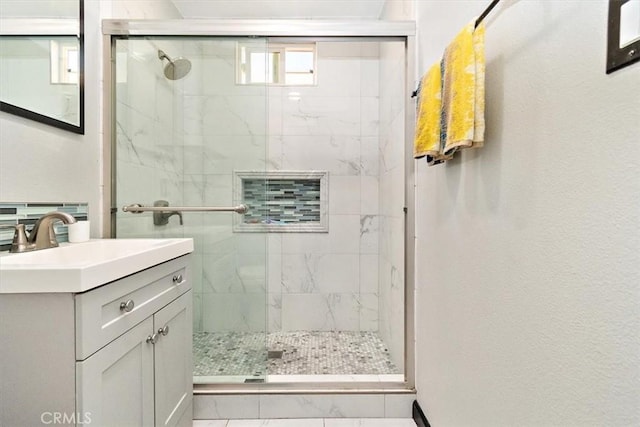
(105, 313)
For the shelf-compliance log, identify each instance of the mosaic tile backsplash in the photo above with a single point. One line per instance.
(281, 201)
(28, 213)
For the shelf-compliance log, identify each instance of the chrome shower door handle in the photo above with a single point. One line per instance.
(138, 208)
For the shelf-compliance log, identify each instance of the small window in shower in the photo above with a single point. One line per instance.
(290, 64)
(282, 201)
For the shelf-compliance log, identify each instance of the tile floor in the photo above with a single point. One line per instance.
(310, 422)
(303, 353)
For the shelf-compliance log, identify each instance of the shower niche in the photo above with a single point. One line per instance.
(282, 201)
(314, 271)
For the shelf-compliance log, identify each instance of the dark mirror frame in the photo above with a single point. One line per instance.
(619, 57)
(79, 129)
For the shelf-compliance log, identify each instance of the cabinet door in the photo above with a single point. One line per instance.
(115, 385)
(173, 361)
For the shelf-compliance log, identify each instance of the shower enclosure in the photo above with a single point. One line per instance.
(308, 284)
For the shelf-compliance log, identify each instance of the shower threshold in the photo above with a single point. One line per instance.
(289, 379)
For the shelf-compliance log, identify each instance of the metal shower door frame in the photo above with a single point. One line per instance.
(310, 30)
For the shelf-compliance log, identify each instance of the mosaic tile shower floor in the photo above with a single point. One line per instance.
(304, 353)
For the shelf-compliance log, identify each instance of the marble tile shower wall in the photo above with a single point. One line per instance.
(152, 158)
(182, 140)
(225, 129)
(329, 281)
(392, 176)
(313, 280)
(148, 135)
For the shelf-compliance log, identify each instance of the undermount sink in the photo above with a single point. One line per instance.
(79, 267)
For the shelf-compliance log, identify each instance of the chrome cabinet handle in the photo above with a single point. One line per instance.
(152, 339)
(164, 331)
(127, 306)
(178, 279)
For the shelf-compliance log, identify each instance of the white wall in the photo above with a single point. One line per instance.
(40, 163)
(528, 249)
(277, 9)
(137, 9)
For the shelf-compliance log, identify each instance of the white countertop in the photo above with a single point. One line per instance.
(79, 267)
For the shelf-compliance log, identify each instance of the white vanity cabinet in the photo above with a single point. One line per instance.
(116, 355)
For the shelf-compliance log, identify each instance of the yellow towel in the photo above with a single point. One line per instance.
(427, 137)
(463, 91)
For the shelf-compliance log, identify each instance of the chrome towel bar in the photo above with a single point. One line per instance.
(137, 208)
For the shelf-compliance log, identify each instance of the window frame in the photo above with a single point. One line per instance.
(243, 69)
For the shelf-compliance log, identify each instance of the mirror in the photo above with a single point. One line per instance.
(41, 61)
(623, 44)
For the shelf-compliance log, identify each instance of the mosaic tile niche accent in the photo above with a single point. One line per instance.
(28, 213)
(282, 201)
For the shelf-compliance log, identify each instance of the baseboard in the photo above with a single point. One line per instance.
(418, 416)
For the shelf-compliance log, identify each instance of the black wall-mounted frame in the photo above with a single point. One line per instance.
(18, 111)
(619, 57)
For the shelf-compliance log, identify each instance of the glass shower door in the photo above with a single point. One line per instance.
(184, 130)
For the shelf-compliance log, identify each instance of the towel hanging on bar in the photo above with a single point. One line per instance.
(462, 120)
(450, 107)
(483, 15)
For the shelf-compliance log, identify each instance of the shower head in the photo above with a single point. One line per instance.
(175, 69)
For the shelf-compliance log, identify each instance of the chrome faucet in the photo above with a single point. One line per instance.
(42, 236)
